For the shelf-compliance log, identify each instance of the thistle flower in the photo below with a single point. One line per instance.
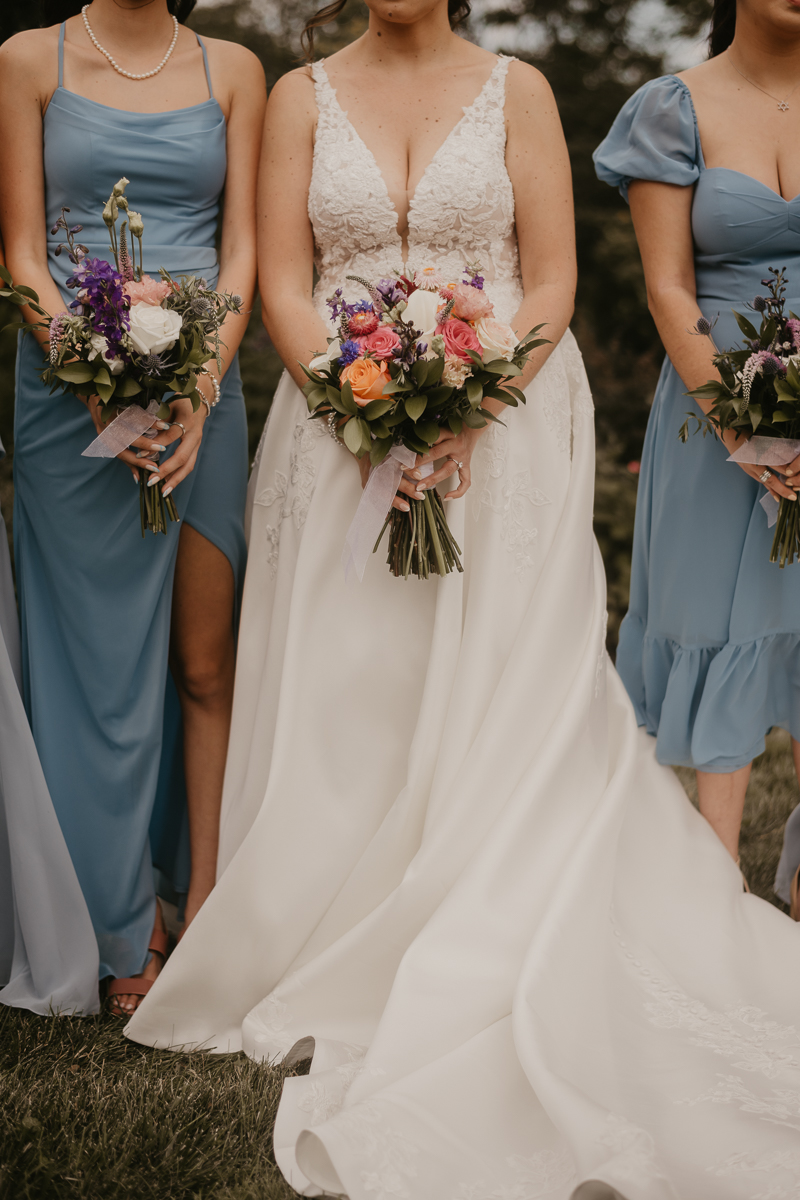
(759, 303)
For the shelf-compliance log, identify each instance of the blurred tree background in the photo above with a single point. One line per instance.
(594, 54)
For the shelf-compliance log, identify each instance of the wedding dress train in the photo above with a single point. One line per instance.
(451, 868)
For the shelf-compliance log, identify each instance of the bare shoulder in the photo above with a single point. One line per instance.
(30, 55)
(528, 94)
(235, 60)
(294, 90)
(705, 75)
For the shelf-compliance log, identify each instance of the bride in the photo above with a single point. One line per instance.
(450, 866)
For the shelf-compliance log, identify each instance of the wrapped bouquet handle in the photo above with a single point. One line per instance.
(376, 500)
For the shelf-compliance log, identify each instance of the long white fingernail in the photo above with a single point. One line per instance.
(166, 491)
(151, 466)
(162, 425)
(152, 481)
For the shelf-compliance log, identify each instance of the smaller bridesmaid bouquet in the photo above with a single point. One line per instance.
(129, 339)
(758, 396)
(418, 356)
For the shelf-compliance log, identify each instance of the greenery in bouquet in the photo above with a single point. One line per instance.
(128, 338)
(759, 391)
(419, 355)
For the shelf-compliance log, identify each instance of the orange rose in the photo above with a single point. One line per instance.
(367, 379)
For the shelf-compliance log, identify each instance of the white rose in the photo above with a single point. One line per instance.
(497, 339)
(153, 329)
(324, 360)
(421, 312)
(100, 347)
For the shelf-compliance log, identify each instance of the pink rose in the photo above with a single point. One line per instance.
(149, 291)
(459, 338)
(382, 343)
(470, 304)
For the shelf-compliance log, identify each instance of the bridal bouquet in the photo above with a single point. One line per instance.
(418, 356)
(127, 338)
(759, 390)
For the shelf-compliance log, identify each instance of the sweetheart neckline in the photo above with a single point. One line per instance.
(759, 182)
(501, 58)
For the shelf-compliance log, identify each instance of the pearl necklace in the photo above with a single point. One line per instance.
(113, 61)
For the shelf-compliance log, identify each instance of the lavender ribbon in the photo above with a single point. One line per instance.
(131, 423)
(376, 500)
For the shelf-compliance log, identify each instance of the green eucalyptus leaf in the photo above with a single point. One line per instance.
(376, 408)
(427, 431)
(348, 400)
(755, 415)
(748, 329)
(105, 391)
(456, 424)
(793, 376)
(474, 392)
(379, 450)
(474, 420)
(101, 376)
(126, 387)
(77, 372)
(350, 434)
(415, 406)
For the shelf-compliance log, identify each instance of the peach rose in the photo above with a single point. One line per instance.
(497, 339)
(382, 343)
(470, 304)
(367, 379)
(149, 291)
(459, 338)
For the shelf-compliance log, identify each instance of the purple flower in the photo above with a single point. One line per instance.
(350, 351)
(101, 297)
(391, 293)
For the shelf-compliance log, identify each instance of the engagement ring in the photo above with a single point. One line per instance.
(767, 474)
(180, 426)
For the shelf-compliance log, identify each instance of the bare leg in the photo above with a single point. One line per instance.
(722, 804)
(125, 1003)
(202, 662)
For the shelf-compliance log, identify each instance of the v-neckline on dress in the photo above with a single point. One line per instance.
(501, 58)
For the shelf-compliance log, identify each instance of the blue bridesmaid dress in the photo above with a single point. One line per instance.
(94, 595)
(710, 648)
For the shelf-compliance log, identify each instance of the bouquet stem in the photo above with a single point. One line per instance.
(154, 510)
(420, 541)
(786, 543)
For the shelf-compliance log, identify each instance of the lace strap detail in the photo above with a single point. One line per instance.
(328, 107)
(493, 95)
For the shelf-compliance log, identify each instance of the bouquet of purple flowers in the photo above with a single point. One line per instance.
(128, 338)
(758, 396)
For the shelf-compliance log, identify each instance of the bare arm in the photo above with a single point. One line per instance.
(26, 86)
(538, 165)
(286, 240)
(662, 219)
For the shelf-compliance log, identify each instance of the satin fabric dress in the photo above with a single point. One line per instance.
(48, 951)
(94, 595)
(450, 867)
(710, 647)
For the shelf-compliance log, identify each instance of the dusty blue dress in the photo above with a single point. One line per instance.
(710, 648)
(94, 595)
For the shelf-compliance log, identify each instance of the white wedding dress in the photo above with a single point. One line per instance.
(450, 864)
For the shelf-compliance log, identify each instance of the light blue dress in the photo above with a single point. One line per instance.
(94, 595)
(710, 648)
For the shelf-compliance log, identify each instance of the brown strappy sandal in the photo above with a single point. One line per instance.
(794, 896)
(137, 985)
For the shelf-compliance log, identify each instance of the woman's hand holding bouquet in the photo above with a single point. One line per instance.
(757, 397)
(404, 384)
(134, 347)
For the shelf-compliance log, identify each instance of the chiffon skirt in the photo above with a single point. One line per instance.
(452, 871)
(95, 601)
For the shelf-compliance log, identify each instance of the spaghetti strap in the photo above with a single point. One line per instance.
(201, 44)
(61, 54)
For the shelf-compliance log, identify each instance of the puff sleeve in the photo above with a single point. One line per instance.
(654, 137)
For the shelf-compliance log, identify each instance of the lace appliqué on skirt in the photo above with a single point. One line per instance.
(292, 489)
(508, 495)
(545, 1175)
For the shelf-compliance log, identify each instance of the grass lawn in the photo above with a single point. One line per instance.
(87, 1115)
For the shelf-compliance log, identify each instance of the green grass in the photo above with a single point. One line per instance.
(87, 1115)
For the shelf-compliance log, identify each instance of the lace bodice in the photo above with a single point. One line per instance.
(462, 210)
